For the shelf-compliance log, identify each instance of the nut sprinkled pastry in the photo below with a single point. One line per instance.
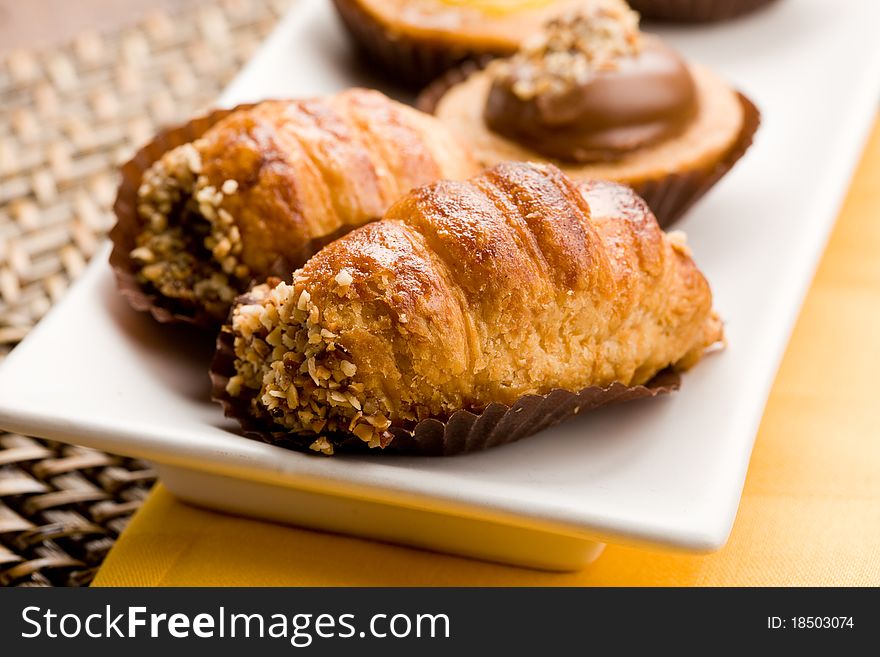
(205, 209)
(474, 313)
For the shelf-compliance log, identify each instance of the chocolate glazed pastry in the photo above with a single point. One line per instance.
(602, 101)
(695, 11)
(650, 97)
(473, 313)
(241, 195)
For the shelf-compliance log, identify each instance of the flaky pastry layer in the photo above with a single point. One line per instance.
(518, 281)
(267, 186)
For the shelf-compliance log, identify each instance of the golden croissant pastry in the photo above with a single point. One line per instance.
(267, 186)
(514, 282)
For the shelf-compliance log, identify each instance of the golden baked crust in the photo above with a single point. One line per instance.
(266, 187)
(467, 293)
(708, 138)
(310, 167)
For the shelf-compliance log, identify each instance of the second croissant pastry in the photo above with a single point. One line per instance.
(267, 186)
(515, 282)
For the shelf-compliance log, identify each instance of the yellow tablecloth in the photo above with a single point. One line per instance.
(810, 513)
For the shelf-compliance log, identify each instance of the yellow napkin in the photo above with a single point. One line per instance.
(810, 513)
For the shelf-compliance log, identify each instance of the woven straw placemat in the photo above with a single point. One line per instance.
(69, 116)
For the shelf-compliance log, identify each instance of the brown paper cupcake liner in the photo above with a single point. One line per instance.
(672, 196)
(129, 224)
(669, 197)
(409, 61)
(461, 432)
(695, 11)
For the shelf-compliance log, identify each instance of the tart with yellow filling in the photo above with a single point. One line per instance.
(416, 40)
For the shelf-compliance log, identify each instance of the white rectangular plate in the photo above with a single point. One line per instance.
(666, 472)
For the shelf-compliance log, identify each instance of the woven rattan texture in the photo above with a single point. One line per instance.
(68, 117)
(61, 508)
